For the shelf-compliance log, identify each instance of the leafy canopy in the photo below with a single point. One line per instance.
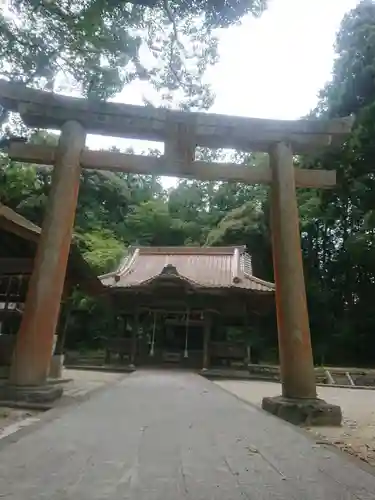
(337, 226)
(102, 45)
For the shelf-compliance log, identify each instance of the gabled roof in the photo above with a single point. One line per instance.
(12, 223)
(200, 267)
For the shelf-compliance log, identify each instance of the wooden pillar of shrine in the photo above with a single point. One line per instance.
(63, 318)
(206, 340)
(34, 343)
(135, 333)
(298, 402)
(57, 359)
(62, 329)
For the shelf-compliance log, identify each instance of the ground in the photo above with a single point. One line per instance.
(357, 434)
(85, 381)
(80, 384)
(12, 420)
(156, 435)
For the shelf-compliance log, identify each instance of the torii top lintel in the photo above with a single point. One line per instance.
(42, 109)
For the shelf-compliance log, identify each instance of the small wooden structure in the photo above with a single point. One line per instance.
(180, 133)
(177, 304)
(19, 239)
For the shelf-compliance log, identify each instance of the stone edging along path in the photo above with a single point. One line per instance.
(258, 372)
(271, 374)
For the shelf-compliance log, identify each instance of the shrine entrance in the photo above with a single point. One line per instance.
(181, 133)
(178, 336)
(179, 304)
(178, 340)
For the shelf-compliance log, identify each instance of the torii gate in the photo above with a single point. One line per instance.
(181, 133)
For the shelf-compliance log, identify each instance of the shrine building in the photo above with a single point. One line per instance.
(19, 239)
(177, 305)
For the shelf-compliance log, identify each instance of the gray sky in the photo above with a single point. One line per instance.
(272, 67)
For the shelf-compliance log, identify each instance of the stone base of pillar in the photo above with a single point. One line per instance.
(304, 412)
(30, 394)
(56, 366)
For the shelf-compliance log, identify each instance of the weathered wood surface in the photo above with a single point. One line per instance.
(182, 131)
(118, 346)
(16, 265)
(296, 359)
(35, 337)
(228, 350)
(206, 340)
(7, 343)
(12, 222)
(138, 164)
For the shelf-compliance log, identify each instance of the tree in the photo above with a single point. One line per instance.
(101, 249)
(352, 86)
(151, 224)
(101, 45)
(338, 226)
(248, 225)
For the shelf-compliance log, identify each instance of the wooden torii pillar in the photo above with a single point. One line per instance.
(33, 349)
(181, 133)
(298, 403)
(296, 358)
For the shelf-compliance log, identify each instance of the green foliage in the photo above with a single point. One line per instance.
(101, 250)
(248, 225)
(101, 45)
(150, 223)
(352, 85)
(337, 226)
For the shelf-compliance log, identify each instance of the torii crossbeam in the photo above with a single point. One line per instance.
(181, 133)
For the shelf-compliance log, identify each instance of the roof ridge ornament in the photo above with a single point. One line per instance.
(169, 270)
(236, 269)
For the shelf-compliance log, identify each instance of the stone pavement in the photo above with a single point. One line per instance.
(83, 382)
(357, 434)
(170, 436)
(80, 386)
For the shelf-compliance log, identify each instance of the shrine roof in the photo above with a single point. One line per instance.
(200, 267)
(19, 238)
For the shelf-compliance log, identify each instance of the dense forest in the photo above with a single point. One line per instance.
(337, 226)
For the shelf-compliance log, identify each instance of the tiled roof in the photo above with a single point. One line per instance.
(209, 267)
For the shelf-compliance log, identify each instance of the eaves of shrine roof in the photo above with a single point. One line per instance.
(200, 267)
(16, 230)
